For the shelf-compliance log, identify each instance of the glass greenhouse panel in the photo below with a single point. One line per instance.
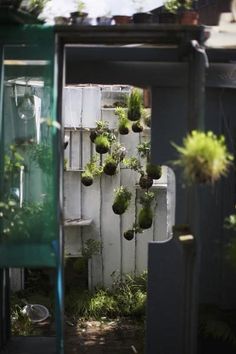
(28, 207)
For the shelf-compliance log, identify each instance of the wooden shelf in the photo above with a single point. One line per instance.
(77, 222)
(74, 170)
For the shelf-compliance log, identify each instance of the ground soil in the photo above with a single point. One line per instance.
(104, 337)
(118, 336)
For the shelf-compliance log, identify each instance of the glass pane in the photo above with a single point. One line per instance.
(28, 206)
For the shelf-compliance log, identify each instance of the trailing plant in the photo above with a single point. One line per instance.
(123, 122)
(204, 157)
(135, 105)
(122, 200)
(145, 215)
(35, 7)
(118, 151)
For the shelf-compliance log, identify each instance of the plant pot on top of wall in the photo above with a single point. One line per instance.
(143, 17)
(122, 19)
(185, 10)
(79, 17)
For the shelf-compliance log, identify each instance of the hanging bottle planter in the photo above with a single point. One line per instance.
(122, 200)
(135, 105)
(145, 215)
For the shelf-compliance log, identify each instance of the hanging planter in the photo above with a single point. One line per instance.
(145, 182)
(204, 157)
(110, 166)
(102, 144)
(137, 127)
(92, 169)
(101, 127)
(153, 171)
(145, 216)
(123, 122)
(129, 234)
(135, 105)
(87, 179)
(122, 200)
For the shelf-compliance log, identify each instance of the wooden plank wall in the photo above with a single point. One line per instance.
(82, 106)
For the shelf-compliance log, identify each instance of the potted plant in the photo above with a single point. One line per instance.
(104, 20)
(134, 164)
(130, 233)
(110, 165)
(112, 160)
(79, 16)
(140, 16)
(137, 127)
(92, 169)
(203, 156)
(145, 181)
(122, 200)
(153, 171)
(123, 122)
(101, 127)
(35, 7)
(145, 215)
(102, 143)
(135, 105)
(122, 19)
(186, 9)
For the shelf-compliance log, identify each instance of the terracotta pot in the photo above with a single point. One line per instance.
(189, 18)
(122, 20)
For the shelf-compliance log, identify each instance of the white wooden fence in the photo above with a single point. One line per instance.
(91, 207)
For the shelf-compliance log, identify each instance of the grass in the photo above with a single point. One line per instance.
(126, 298)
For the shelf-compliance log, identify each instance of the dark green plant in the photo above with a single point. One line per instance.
(145, 215)
(135, 105)
(204, 157)
(102, 126)
(122, 200)
(153, 171)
